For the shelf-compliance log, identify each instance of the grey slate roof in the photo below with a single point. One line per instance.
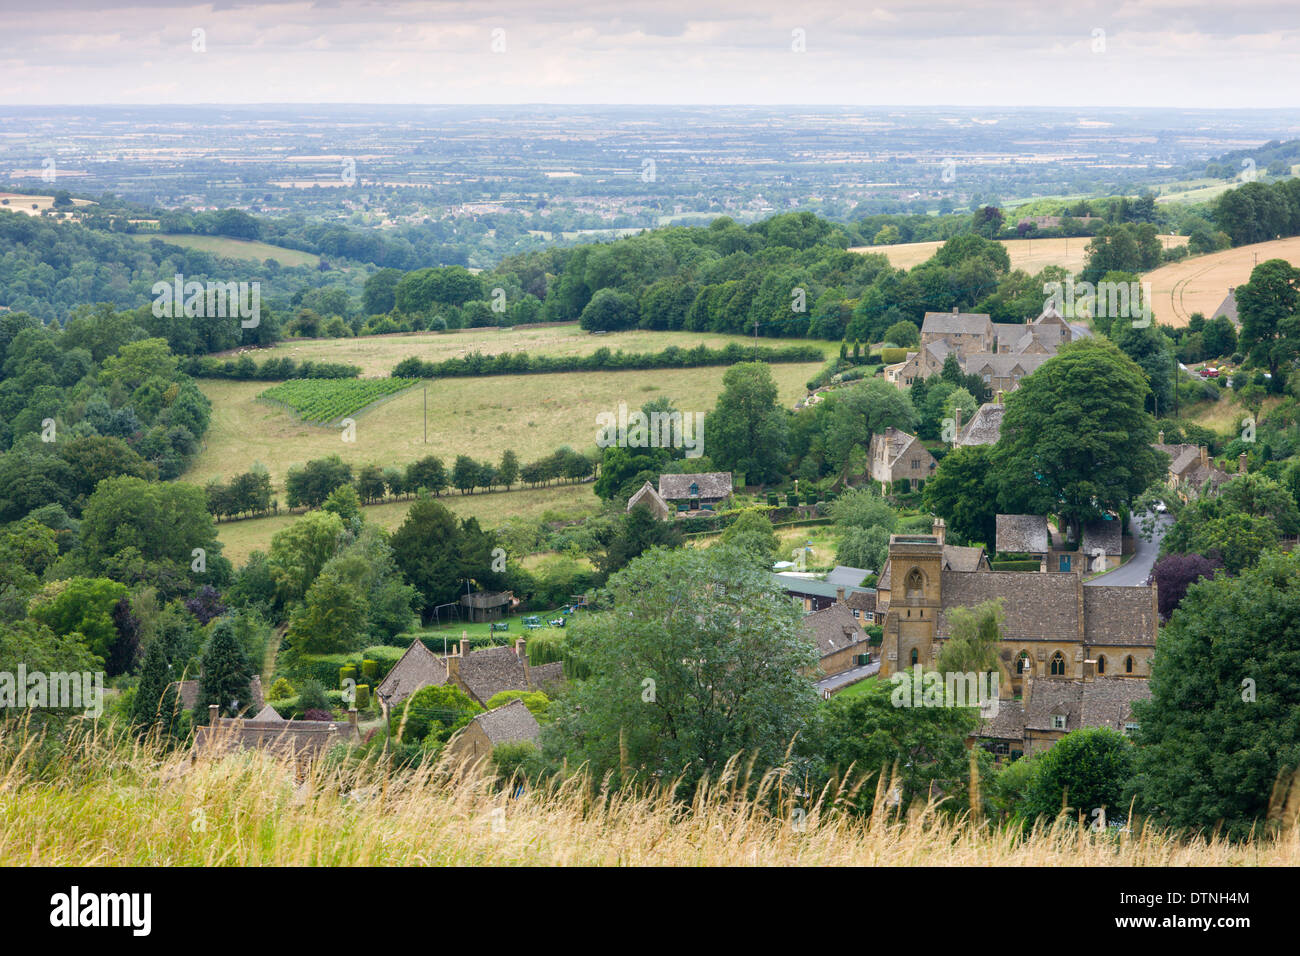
(1228, 308)
(1022, 534)
(1003, 364)
(1119, 615)
(712, 484)
(1037, 606)
(846, 577)
(513, 723)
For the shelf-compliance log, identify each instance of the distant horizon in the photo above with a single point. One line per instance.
(1176, 54)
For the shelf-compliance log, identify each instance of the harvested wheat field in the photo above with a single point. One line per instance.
(1030, 255)
(1202, 283)
(110, 804)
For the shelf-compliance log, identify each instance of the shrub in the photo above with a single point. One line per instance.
(312, 696)
(892, 356)
(369, 669)
(363, 696)
(317, 713)
(348, 672)
(281, 690)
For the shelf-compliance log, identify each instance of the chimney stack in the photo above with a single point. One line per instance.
(939, 529)
(999, 397)
(519, 649)
(954, 310)
(839, 595)
(1089, 671)
(352, 720)
(213, 713)
(956, 415)
(1027, 688)
(464, 645)
(1205, 456)
(1241, 463)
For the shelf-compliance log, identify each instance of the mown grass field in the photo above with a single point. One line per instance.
(242, 538)
(234, 248)
(1200, 284)
(377, 354)
(481, 417)
(1030, 255)
(118, 805)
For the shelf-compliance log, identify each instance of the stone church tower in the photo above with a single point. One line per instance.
(916, 564)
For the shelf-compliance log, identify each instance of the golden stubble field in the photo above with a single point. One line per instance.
(1031, 255)
(1200, 284)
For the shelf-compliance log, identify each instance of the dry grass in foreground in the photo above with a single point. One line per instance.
(105, 804)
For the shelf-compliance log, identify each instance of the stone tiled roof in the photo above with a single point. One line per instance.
(862, 601)
(651, 497)
(1008, 724)
(1119, 615)
(1003, 364)
(882, 582)
(269, 715)
(490, 670)
(290, 737)
(985, 427)
(834, 629)
(1100, 702)
(1228, 308)
(548, 676)
(418, 667)
(1105, 534)
(712, 484)
(1037, 606)
(945, 323)
(510, 724)
(1022, 534)
(958, 557)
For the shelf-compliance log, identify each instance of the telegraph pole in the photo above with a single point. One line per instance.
(426, 413)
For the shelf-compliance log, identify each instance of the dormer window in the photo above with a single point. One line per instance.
(1058, 721)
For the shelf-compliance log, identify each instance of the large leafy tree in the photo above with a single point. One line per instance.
(83, 607)
(1076, 439)
(696, 657)
(1269, 307)
(925, 747)
(858, 412)
(747, 430)
(1224, 716)
(962, 492)
(1085, 771)
(637, 532)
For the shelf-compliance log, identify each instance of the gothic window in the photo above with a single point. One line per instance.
(1022, 663)
(915, 583)
(1128, 664)
(1101, 664)
(1058, 665)
(915, 656)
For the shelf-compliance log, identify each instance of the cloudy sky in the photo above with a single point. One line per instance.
(908, 52)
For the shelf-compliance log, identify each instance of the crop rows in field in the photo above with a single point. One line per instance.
(327, 400)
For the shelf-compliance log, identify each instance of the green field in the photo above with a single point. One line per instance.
(242, 538)
(377, 354)
(234, 248)
(321, 400)
(480, 417)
